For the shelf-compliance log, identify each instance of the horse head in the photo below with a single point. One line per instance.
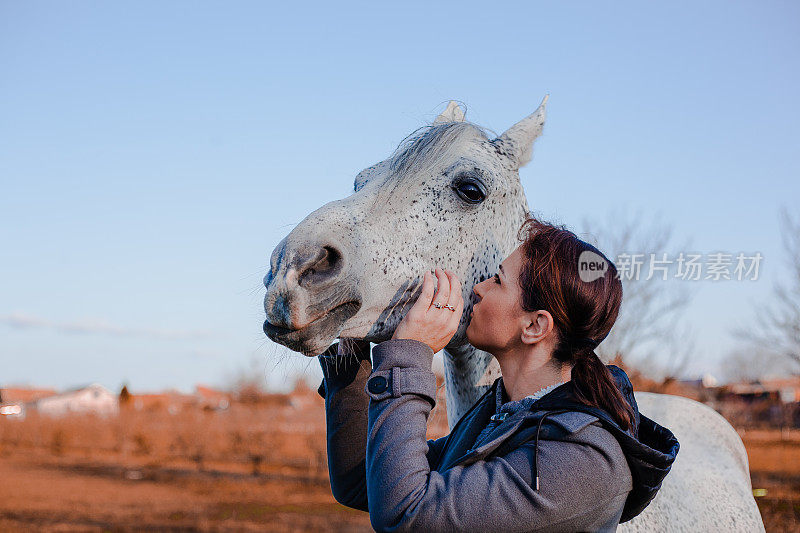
(449, 196)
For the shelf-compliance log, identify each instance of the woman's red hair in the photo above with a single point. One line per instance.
(583, 311)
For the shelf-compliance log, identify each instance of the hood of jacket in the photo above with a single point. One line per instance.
(650, 449)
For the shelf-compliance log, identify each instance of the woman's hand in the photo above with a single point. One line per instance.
(426, 323)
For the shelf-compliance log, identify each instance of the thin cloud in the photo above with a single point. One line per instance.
(23, 321)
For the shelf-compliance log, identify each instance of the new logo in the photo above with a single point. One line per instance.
(591, 266)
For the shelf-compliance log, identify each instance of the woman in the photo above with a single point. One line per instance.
(556, 444)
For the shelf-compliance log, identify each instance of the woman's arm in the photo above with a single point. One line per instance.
(345, 373)
(578, 482)
(346, 403)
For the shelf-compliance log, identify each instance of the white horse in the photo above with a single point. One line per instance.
(451, 196)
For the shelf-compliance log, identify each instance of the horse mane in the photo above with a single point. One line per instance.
(423, 147)
(426, 144)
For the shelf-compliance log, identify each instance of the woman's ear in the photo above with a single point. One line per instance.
(539, 325)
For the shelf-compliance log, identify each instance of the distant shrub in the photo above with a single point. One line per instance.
(58, 442)
(142, 444)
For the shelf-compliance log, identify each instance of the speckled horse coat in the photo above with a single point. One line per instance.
(451, 196)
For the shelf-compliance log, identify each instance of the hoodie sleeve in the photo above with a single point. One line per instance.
(346, 403)
(578, 482)
(346, 423)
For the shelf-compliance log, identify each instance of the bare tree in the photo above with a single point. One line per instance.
(738, 365)
(649, 332)
(249, 385)
(777, 321)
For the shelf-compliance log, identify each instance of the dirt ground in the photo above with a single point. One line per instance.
(250, 467)
(774, 458)
(233, 471)
(40, 492)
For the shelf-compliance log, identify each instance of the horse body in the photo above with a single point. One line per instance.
(451, 196)
(708, 487)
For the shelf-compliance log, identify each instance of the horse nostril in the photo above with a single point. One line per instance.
(333, 256)
(325, 265)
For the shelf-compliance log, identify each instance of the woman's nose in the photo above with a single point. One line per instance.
(476, 290)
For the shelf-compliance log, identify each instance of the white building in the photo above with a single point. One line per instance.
(12, 410)
(94, 399)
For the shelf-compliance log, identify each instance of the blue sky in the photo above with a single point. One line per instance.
(152, 154)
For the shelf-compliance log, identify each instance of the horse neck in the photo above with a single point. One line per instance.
(468, 374)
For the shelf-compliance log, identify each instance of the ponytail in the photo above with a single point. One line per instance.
(595, 386)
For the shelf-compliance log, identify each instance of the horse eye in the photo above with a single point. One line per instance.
(469, 191)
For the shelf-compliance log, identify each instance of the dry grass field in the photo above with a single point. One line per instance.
(775, 467)
(257, 466)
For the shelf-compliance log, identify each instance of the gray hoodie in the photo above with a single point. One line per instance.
(572, 476)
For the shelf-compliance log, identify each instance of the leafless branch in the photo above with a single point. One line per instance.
(649, 332)
(777, 323)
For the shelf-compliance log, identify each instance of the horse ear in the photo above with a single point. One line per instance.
(517, 141)
(453, 113)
